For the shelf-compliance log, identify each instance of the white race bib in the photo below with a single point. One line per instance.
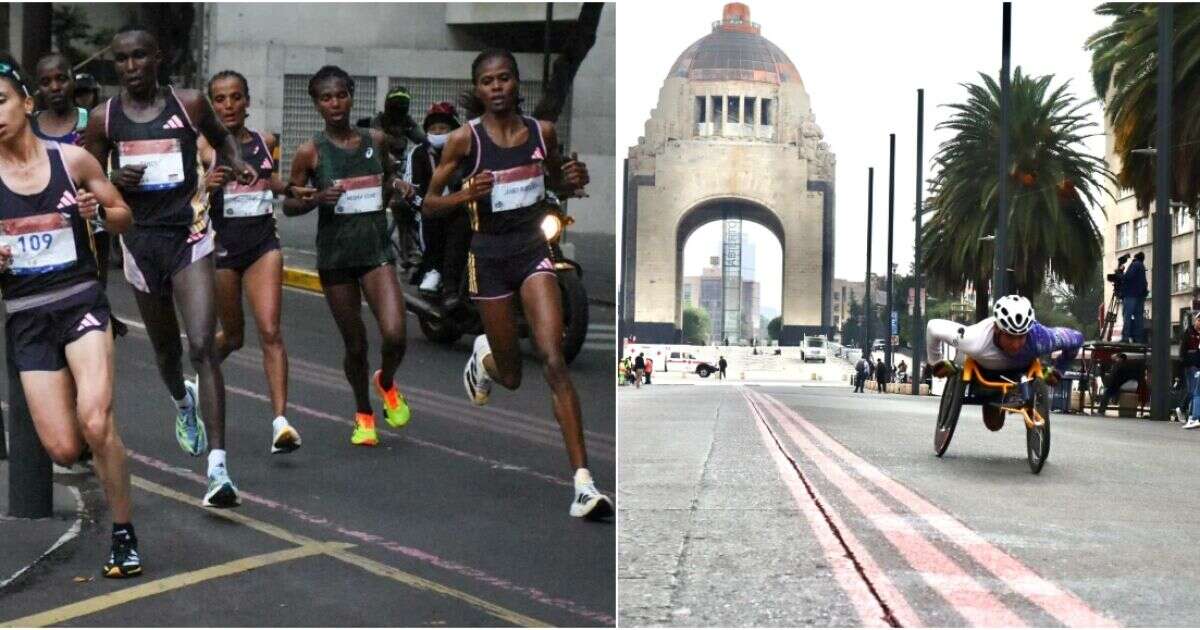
(163, 160)
(518, 187)
(363, 194)
(242, 201)
(40, 244)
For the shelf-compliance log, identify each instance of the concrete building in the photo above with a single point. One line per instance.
(846, 292)
(704, 291)
(733, 136)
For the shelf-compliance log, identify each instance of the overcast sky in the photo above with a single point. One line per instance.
(861, 64)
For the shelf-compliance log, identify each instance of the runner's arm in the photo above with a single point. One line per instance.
(95, 137)
(564, 176)
(458, 145)
(1046, 340)
(938, 332)
(304, 163)
(88, 176)
(218, 137)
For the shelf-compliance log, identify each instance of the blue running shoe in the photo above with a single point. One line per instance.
(189, 427)
(221, 491)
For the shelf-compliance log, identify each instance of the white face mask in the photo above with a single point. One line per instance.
(437, 141)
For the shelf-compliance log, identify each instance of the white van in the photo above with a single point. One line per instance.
(814, 349)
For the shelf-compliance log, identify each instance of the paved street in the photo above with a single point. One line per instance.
(775, 505)
(458, 519)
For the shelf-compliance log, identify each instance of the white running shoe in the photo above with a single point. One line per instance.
(221, 491)
(432, 282)
(285, 440)
(475, 377)
(589, 503)
(1192, 424)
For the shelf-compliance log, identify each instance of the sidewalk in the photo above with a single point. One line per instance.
(25, 542)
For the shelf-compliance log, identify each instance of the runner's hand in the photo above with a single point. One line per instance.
(88, 205)
(575, 174)
(404, 188)
(246, 175)
(330, 196)
(942, 368)
(303, 193)
(480, 185)
(5, 257)
(217, 178)
(130, 175)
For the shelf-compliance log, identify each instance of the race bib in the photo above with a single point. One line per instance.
(518, 187)
(363, 194)
(243, 201)
(163, 160)
(40, 244)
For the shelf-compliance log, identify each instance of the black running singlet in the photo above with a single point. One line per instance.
(166, 196)
(51, 244)
(243, 215)
(510, 217)
(75, 136)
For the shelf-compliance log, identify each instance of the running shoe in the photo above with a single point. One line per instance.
(395, 407)
(189, 427)
(123, 560)
(286, 440)
(475, 377)
(589, 503)
(1192, 424)
(364, 430)
(431, 283)
(221, 491)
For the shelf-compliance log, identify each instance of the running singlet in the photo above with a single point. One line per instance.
(51, 244)
(978, 342)
(510, 217)
(167, 146)
(353, 232)
(75, 136)
(243, 214)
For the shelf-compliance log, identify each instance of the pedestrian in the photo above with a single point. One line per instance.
(880, 375)
(248, 250)
(902, 372)
(445, 239)
(58, 332)
(1133, 299)
(1123, 370)
(639, 370)
(649, 369)
(513, 165)
(722, 365)
(861, 369)
(148, 133)
(355, 173)
(1189, 355)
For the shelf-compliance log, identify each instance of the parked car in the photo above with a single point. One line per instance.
(814, 349)
(687, 362)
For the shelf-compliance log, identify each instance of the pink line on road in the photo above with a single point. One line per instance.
(870, 612)
(1054, 600)
(964, 594)
(425, 557)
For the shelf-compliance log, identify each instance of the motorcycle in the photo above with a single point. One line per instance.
(446, 319)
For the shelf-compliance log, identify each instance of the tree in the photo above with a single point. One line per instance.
(696, 326)
(773, 328)
(1052, 183)
(1125, 74)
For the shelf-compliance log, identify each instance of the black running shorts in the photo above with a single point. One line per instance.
(38, 336)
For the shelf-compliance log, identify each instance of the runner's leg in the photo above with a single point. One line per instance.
(158, 313)
(264, 290)
(229, 310)
(542, 302)
(195, 288)
(51, 398)
(345, 303)
(90, 359)
(386, 300)
(500, 326)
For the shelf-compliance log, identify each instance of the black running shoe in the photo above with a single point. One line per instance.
(119, 327)
(123, 560)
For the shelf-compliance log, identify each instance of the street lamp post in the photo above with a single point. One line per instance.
(1159, 350)
(1000, 257)
(887, 347)
(867, 305)
(918, 332)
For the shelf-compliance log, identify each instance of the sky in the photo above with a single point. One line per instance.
(861, 64)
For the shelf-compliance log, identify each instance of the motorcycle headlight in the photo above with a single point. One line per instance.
(551, 227)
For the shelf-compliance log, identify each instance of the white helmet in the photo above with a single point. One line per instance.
(1013, 314)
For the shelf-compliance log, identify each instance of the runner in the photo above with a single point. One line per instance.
(353, 169)
(57, 328)
(248, 245)
(64, 121)
(150, 132)
(508, 158)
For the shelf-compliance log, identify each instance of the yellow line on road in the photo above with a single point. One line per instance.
(124, 596)
(342, 554)
(302, 279)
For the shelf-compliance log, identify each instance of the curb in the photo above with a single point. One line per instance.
(67, 537)
(304, 279)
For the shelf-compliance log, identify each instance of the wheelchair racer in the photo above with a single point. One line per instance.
(1008, 341)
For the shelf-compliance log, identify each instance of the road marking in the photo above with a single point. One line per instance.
(124, 596)
(340, 551)
(1051, 598)
(966, 595)
(840, 554)
(67, 536)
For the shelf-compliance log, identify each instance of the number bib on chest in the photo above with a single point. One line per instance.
(518, 187)
(363, 194)
(163, 160)
(40, 244)
(241, 201)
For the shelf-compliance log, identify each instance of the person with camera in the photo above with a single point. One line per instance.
(1133, 299)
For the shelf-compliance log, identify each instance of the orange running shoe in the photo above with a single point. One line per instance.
(395, 408)
(364, 430)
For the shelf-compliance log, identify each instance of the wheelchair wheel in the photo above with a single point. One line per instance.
(1037, 439)
(948, 411)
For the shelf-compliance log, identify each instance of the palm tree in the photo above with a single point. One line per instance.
(1125, 73)
(1053, 181)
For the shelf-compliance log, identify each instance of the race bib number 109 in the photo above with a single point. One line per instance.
(39, 244)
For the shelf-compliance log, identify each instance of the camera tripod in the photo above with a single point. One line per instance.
(1110, 317)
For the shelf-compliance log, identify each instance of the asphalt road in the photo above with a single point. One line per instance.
(814, 506)
(460, 518)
